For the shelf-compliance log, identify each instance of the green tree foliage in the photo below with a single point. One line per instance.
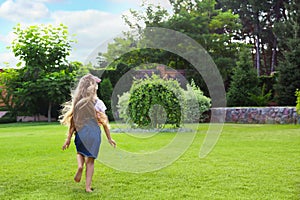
(244, 82)
(297, 94)
(105, 92)
(47, 76)
(214, 29)
(289, 67)
(116, 49)
(258, 19)
(261, 99)
(27, 97)
(41, 47)
(55, 88)
(8, 84)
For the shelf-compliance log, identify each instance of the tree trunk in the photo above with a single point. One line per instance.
(257, 45)
(49, 111)
(257, 55)
(274, 55)
(264, 56)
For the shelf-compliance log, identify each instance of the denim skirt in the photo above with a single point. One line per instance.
(88, 139)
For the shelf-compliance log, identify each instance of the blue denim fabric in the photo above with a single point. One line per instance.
(88, 139)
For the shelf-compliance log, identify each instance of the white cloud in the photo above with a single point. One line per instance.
(91, 28)
(23, 10)
(8, 59)
(50, 1)
(7, 56)
(7, 39)
(164, 3)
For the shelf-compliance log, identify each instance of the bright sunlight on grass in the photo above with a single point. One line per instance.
(248, 162)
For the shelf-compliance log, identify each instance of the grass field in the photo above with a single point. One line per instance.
(248, 162)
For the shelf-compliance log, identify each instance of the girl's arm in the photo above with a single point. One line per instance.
(107, 133)
(103, 120)
(70, 133)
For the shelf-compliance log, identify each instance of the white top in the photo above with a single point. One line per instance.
(100, 106)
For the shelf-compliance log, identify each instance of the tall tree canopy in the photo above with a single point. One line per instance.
(223, 28)
(46, 75)
(289, 67)
(214, 29)
(244, 82)
(258, 19)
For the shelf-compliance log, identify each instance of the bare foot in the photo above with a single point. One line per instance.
(89, 190)
(78, 175)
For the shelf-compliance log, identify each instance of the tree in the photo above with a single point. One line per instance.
(42, 48)
(8, 83)
(55, 87)
(244, 82)
(105, 93)
(47, 73)
(28, 97)
(214, 29)
(119, 47)
(289, 67)
(258, 19)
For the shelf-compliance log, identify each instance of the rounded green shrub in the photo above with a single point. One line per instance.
(154, 101)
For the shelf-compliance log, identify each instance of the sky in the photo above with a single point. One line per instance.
(93, 22)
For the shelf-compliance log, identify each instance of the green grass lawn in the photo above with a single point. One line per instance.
(248, 162)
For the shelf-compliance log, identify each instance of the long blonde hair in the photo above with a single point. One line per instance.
(86, 90)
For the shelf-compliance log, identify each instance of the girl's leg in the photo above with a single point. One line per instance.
(80, 161)
(89, 173)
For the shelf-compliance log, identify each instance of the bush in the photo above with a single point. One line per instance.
(261, 99)
(123, 106)
(192, 94)
(297, 94)
(154, 102)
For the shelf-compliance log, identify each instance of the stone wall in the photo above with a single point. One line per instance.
(257, 115)
(37, 118)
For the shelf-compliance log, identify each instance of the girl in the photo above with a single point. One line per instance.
(83, 115)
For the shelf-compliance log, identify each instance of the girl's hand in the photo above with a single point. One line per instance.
(66, 144)
(112, 143)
